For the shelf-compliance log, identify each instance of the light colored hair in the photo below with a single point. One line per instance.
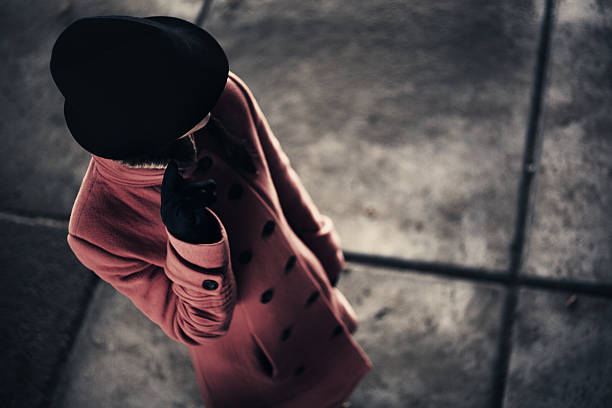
(235, 150)
(142, 165)
(179, 150)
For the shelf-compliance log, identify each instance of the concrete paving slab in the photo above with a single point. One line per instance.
(561, 355)
(40, 164)
(43, 290)
(405, 120)
(431, 340)
(122, 359)
(571, 234)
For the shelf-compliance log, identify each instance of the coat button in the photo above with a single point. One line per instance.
(245, 256)
(267, 295)
(205, 163)
(312, 298)
(290, 263)
(209, 284)
(299, 370)
(268, 228)
(286, 333)
(337, 330)
(235, 192)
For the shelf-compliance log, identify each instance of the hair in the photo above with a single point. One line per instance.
(237, 151)
(182, 150)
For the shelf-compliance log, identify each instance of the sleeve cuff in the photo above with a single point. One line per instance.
(198, 266)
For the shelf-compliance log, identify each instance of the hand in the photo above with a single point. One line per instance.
(182, 208)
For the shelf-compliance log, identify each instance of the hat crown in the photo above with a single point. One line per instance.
(99, 57)
(142, 81)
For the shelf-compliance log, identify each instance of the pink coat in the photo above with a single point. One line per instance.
(270, 330)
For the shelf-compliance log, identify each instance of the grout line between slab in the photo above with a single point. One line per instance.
(472, 274)
(199, 21)
(435, 268)
(530, 155)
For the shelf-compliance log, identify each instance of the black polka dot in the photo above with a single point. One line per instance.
(337, 330)
(267, 295)
(268, 228)
(299, 370)
(314, 296)
(235, 192)
(245, 256)
(290, 263)
(209, 284)
(286, 333)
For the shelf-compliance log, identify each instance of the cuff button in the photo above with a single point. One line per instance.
(209, 284)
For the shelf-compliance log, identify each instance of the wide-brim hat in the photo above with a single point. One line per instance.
(134, 85)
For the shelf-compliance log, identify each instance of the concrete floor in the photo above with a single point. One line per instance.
(407, 123)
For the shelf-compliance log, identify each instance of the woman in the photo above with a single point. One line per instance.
(231, 258)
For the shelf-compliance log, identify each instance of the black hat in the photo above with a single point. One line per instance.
(134, 85)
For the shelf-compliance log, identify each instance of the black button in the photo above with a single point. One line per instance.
(312, 298)
(286, 333)
(299, 370)
(267, 295)
(268, 228)
(235, 192)
(210, 284)
(290, 263)
(337, 330)
(245, 256)
(205, 163)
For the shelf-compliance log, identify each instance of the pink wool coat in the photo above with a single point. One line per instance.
(257, 311)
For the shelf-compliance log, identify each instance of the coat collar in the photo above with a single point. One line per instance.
(121, 174)
(118, 173)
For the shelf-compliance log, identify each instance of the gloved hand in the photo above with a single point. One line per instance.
(182, 208)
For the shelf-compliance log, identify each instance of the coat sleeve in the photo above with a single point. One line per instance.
(192, 297)
(316, 230)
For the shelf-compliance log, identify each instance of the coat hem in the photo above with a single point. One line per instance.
(345, 394)
(350, 388)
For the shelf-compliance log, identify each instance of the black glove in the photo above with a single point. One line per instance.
(182, 208)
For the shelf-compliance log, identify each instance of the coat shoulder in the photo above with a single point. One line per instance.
(236, 101)
(239, 87)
